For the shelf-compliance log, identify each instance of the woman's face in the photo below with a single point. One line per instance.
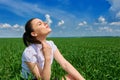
(40, 28)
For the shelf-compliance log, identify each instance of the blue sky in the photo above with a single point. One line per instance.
(68, 18)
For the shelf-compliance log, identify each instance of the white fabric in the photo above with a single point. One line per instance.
(33, 53)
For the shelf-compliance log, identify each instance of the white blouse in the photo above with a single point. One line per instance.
(33, 53)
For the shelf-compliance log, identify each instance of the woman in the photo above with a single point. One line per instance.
(39, 53)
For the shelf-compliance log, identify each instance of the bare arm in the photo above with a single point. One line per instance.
(46, 73)
(36, 70)
(67, 66)
(47, 50)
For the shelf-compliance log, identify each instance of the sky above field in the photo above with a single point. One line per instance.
(67, 18)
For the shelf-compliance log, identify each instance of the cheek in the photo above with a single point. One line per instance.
(43, 31)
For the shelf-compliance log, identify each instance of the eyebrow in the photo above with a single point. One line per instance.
(38, 22)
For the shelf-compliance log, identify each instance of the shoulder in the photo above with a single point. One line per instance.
(29, 50)
(29, 54)
(50, 42)
(54, 47)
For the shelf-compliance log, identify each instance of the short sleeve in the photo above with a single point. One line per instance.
(29, 55)
(53, 46)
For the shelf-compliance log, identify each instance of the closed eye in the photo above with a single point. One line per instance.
(39, 23)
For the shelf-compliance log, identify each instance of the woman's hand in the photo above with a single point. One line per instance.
(47, 50)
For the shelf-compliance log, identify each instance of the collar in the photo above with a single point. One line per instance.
(38, 46)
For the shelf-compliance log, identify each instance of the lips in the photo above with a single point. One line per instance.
(47, 26)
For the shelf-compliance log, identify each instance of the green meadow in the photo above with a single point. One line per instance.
(95, 58)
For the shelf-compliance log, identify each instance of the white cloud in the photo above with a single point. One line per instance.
(60, 23)
(107, 29)
(118, 15)
(27, 9)
(30, 9)
(15, 27)
(18, 27)
(5, 25)
(115, 23)
(102, 20)
(82, 23)
(115, 7)
(23, 9)
(48, 20)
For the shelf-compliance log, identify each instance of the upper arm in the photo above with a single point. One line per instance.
(30, 59)
(59, 58)
(34, 68)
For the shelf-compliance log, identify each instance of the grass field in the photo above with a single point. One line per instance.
(94, 58)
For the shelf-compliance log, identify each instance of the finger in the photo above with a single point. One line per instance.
(45, 45)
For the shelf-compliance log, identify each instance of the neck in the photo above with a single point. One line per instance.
(42, 39)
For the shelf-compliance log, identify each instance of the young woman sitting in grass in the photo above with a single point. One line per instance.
(39, 53)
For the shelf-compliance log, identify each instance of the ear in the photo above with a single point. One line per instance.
(34, 34)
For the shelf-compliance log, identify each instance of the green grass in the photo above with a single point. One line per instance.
(94, 58)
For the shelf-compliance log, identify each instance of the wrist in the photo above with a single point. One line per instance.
(47, 59)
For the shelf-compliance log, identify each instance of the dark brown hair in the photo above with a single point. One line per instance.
(27, 37)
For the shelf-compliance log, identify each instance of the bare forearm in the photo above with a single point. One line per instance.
(46, 73)
(47, 50)
(72, 71)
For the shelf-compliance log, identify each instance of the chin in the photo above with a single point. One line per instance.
(50, 30)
